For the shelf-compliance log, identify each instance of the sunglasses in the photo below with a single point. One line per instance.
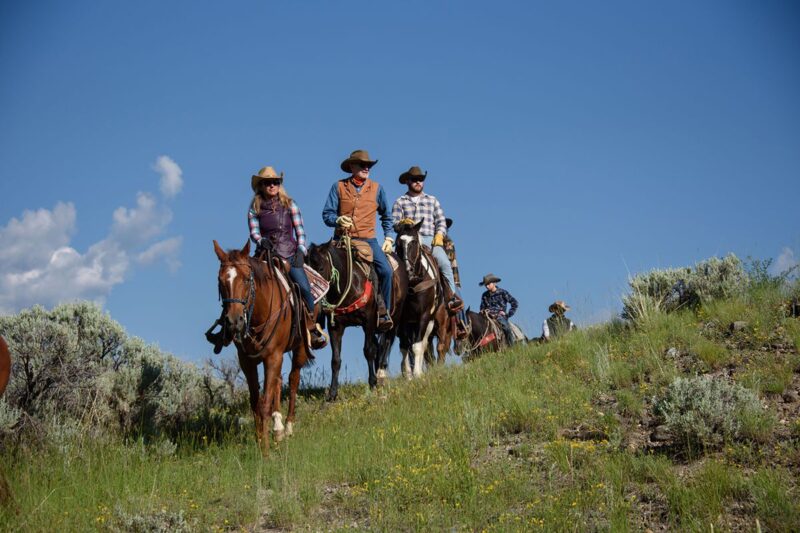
(365, 166)
(272, 183)
(416, 179)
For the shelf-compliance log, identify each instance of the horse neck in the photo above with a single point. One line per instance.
(269, 292)
(338, 259)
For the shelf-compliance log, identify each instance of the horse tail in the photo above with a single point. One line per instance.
(5, 365)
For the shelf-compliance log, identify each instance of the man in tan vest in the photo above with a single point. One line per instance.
(352, 205)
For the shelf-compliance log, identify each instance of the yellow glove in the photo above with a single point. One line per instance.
(438, 240)
(344, 222)
(388, 245)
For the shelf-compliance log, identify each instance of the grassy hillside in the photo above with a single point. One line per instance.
(592, 432)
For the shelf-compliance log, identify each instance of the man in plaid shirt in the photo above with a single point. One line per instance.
(417, 205)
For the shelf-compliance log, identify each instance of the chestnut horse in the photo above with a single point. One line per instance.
(425, 313)
(261, 320)
(5, 365)
(348, 281)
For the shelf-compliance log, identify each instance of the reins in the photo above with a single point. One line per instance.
(327, 306)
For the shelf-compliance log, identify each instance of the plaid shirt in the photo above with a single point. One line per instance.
(496, 301)
(427, 209)
(297, 222)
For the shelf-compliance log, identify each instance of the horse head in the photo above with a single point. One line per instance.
(236, 288)
(409, 248)
(317, 258)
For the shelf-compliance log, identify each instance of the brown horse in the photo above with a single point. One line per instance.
(5, 365)
(260, 319)
(425, 313)
(356, 306)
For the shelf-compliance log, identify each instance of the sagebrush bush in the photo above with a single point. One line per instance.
(674, 288)
(76, 372)
(709, 411)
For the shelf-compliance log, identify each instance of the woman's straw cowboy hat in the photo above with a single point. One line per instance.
(358, 156)
(559, 305)
(413, 172)
(266, 173)
(489, 278)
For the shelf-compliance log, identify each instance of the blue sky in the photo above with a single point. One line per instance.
(572, 142)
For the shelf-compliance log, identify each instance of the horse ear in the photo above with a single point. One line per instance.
(220, 252)
(418, 225)
(246, 249)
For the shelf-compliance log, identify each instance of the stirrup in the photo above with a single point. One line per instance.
(385, 322)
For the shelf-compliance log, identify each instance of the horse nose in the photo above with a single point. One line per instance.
(235, 322)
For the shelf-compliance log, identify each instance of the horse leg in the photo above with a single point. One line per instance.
(272, 392)
(300, 357)
(336, 333)
(250, 370)
(384, 347)
(405, 351)
(420, 346)
(371, 355)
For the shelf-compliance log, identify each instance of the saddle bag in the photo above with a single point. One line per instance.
(362, 250)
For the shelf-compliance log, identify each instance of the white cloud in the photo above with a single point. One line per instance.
(167, 249)
(30, 241)
(137, 225)
(38, 265)
(171, 176)
(785, 262)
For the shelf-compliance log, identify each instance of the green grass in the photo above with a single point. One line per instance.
(474, 447)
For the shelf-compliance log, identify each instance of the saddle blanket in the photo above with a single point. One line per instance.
(319, 285)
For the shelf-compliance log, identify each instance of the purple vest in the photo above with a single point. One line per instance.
(275, 223)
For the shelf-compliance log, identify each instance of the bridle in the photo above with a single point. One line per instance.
(248, 303)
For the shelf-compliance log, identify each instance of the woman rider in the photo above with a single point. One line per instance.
(277, 225)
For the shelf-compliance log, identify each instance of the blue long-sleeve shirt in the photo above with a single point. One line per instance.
(496, 302)
(331, 210)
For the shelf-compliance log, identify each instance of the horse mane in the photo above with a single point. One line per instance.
(261, 271)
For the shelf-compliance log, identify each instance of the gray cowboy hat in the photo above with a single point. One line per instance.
(489, 278)
(357, 156)
(266, 173)
(413, 172)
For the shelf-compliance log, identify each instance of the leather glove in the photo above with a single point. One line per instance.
(344, 222)
(299, 259)
(388, 245)
(265, 244)
(438, 240)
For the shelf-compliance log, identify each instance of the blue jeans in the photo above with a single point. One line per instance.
(298, 275)
(384, 271)
(506, 327)
(441, 258)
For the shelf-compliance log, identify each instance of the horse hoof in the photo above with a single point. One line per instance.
(279, 435)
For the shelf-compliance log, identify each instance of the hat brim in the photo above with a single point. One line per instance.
(553, 308)
(405, 175)
(488, 281)
(256, 178)
(345, 166)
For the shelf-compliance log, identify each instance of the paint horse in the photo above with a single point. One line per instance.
(425, 313)
(350, 301)
(260, 315)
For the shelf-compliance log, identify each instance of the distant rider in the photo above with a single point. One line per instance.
(495, 301)
(558, 323)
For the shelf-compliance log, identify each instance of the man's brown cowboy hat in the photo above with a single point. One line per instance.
(358, 156)
(489, 278)
(559, 305)
(413, 172)
(266, 173)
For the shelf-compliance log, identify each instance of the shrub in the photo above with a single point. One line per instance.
(709, 411)
(76, 373)
(674, 288)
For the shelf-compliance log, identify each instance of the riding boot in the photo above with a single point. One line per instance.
(318, 337)
(384, 320)
(454, 303)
